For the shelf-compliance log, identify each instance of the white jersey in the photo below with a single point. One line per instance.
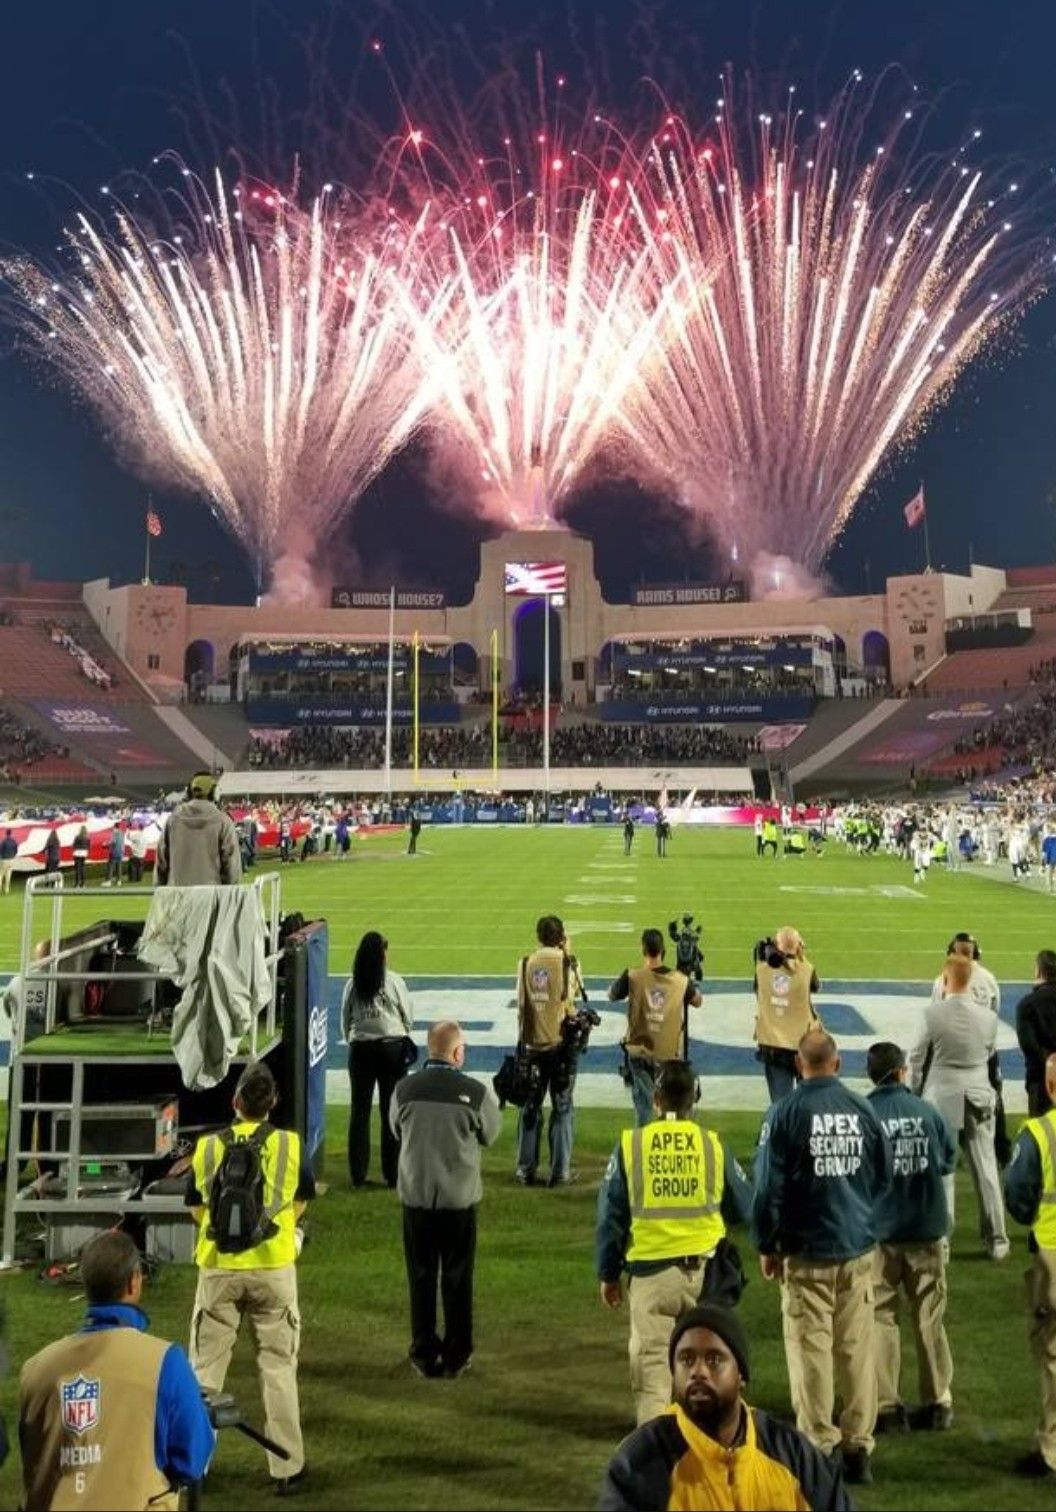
(982, 988)
(921, 850)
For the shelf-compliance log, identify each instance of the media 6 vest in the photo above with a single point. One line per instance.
(654, 1012)
(675, 1172)
(88, 1408)
(1044, 1132)
(543, 997)
(784, 1007)
(280, 1160)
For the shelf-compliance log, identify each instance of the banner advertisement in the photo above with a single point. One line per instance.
(265, 662)
(726, 654)
(658, 594)
(328, 711)
(378, 598)
(82, 718)
(318, 967)
(771, 708)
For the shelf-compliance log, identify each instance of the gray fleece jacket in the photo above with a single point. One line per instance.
(198, 847)
(442, 1118)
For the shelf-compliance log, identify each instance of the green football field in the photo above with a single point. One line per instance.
(534, 1423)
(466, 905)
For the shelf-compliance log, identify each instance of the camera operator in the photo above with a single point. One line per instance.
(658, 1001)
(546, 985)
(784, 982)
(111, 1416)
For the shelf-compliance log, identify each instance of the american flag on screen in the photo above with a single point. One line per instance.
(528, 579)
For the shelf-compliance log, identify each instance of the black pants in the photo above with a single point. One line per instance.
(440, 1243)
(373, 1063)
(78, 870)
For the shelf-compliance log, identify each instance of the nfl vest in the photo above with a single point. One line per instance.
(654, 1012)
(1044, 1132)
(280, 1160)
(88, 1404)
(785, 1012)
(675, 1172)
(543, 997)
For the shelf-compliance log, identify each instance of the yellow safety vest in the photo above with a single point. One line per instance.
(675, 1173)
(280, 1160)
(1044, 1132)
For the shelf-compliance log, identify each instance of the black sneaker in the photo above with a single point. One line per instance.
(454, 1371)
(290, 1485)
(556, 1181)
(1034, 1466)
(893, 1420)
(933, 1417)
(855, 1464)
(429, 1370)
(525, 1177)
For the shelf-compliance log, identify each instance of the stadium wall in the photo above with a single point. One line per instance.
(509, 780)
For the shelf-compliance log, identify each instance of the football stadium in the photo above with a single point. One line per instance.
(554, 1030)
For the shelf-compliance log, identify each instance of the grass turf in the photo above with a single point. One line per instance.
(535, 1421)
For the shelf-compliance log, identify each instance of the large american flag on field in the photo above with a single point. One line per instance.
(529, 579)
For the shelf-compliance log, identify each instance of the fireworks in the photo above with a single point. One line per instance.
(758, 314)
(256, 357)
(847, 297)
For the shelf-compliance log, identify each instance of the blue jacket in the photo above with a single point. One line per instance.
(912, 1209)
(820, 1168)
(613, 1232)
(183, 1435)
(1023, 1181)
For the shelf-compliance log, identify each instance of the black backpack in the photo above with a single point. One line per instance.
(238, 1218)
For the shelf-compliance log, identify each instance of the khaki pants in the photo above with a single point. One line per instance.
(1041, 1323)
(827, 1314)
(656, 1302)
(919, 1270)
(6, 868)
(268, 1298)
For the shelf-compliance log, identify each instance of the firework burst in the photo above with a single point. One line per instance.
(255, 354)
(845, 298)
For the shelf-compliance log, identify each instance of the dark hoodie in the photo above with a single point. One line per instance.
(198, 847)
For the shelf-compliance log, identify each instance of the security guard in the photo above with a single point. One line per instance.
(546, 983)
(666, 1197)
(821, 1167)
(911, 1223)
(258, 1283)
(770, 836)
(657, 1002)
(1030, 1190)
(784, 982)
(111, 1417)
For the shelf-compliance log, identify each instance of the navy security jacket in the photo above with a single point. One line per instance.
(912, 1209)
(821, 1166)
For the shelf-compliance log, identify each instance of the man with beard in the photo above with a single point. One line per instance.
(710, 1449)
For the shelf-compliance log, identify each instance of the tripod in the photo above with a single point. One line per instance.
(224, 1413)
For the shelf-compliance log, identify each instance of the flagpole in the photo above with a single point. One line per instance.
(146, 555)
(927, 533)
(388, 691)
(416, 646)
(495, 707)
(546, 702)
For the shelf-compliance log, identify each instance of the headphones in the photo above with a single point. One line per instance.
(964, 938)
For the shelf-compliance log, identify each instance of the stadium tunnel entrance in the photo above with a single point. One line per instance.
(529, 633)
(199, 662)
(876, 654)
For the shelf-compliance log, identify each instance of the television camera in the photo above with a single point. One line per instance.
(689, 956)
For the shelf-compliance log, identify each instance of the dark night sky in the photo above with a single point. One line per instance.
(86, 89)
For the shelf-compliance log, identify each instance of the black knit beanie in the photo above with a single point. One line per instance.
(720, 1321)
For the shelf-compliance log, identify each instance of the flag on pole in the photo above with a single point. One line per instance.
(153, 523)
(915, 511)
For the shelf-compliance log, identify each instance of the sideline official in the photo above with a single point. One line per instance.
(442, 1118)
(546, 985)
(1030, 1187)
(668, 1192)
(821, 1167)
(911, 1222)
(259, 1283)
(949, 1067)
(784, 983)
(658, 1000)
(111, 1417)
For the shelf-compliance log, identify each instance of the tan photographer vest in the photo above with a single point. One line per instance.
(654, 1013)
(785, 1011)
(543, 997)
